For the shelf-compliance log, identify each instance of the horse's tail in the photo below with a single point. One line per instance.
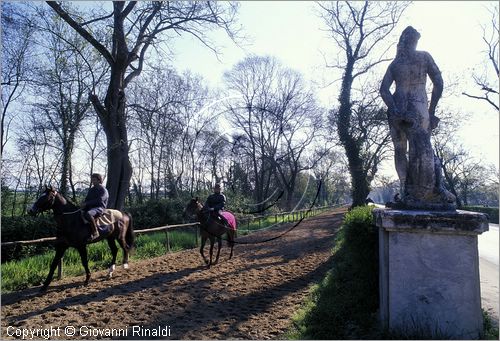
(130, 235)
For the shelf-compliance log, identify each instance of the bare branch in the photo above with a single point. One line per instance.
(83, 32)
(485, 98)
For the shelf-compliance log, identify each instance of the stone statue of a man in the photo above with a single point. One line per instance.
(411, 120)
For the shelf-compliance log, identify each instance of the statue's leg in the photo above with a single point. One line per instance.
(400, 142)
(421, 177)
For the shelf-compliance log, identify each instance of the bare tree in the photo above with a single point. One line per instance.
(167, 109)
(252, 81)
(135, 27)
(17, 31)
(300, 123)
(154, 106)
(358, 29)
(487, 83)
(63, 77)
(463, 174)
(37, 141)
(331, 171)
(278, 117)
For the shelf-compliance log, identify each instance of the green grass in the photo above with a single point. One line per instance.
(490, 330)
(344, 304)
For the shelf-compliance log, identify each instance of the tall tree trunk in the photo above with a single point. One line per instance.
(112, 118)
(360, 186)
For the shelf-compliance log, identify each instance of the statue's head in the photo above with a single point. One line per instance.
(409, 39)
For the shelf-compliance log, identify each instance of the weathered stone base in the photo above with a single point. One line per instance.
(429, 272)
(421, 206)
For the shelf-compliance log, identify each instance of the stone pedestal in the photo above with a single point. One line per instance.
(429, 272)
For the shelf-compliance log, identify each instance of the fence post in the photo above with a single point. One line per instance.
(167, 241)
(276, 218)
(60, 268)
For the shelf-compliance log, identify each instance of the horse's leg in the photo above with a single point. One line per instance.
(124, 246)
(219, 243)
(60, 249)
(127, 234)
(114, 251)
(82, 250)
(212, 242)
(203, 241)
(231, 237)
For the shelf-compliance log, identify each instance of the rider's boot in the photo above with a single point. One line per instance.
(94, 234)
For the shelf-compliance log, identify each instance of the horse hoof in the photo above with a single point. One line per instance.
(43, 289)
(110, 275)
(125, 266)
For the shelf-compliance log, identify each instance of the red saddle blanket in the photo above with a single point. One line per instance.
(230, 219)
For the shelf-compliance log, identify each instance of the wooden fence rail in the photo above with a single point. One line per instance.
(279, 218)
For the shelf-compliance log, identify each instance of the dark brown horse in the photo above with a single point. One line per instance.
(210, 228)
(72, 231)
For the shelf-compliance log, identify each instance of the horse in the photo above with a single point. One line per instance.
(211, 228)
(73, 231)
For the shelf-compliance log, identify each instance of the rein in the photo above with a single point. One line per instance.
(53, 201)
(68, 213)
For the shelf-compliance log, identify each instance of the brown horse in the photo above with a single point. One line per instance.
(210, 228)
(72, 231)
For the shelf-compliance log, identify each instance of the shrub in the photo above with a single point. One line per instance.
(154, 213)
(26, 228)
(344, 304)
(492, 212)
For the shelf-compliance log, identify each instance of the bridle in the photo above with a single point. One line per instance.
(48, 204)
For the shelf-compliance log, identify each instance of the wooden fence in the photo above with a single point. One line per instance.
(279, 218)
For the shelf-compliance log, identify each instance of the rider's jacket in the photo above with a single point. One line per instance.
(216, 201)
(97, 197)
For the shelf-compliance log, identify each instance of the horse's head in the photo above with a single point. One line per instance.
(193, 207)
(44, 202)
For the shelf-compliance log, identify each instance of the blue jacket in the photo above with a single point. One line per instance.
(97, 197)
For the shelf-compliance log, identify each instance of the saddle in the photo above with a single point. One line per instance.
(105, 222)
(109, 217)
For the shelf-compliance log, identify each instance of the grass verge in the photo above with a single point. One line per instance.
(344, 304)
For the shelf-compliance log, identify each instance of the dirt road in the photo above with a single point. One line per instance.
(252, 296)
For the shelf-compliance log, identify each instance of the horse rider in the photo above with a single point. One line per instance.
(215, 203)
(95, 203)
